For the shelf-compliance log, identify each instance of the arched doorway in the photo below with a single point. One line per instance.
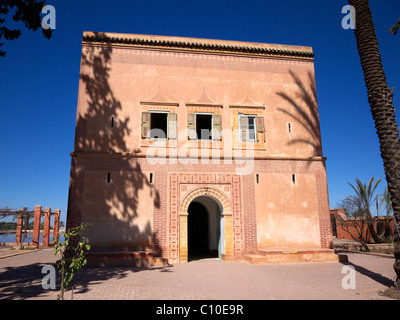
(220, 224)
(204, 234)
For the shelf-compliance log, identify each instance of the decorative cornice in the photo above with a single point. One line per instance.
(247, 103)
(203, 46)
(241, 106)
(99, 155)
(159, 99)
(204, 101)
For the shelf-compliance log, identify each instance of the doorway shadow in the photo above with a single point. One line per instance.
(198, 233)
(207, 256)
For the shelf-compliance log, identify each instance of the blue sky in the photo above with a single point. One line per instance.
(39, 81)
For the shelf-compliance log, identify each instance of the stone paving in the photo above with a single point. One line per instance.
(20, 278)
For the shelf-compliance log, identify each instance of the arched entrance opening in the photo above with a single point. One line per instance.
(204, 229)
(220, 224)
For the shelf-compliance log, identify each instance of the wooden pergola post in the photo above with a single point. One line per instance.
(36, 226)
(46, 227)
(18, 234)
(56, 226)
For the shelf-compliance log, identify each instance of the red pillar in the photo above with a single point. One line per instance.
(46, 227)
(56, 224)
(36, 226)
(18, 235)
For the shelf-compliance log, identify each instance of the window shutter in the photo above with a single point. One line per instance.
(243, 124)
(145, 124)
(217, 127)
(192, 126)
(260, 124)
(172, 126)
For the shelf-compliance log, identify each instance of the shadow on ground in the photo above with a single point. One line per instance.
(372, 275)
(22, 282)
(25, 282)
(95, 276)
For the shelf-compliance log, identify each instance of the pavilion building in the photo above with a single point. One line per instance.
(188, 148)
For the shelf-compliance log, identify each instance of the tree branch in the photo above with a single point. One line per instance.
(394, 29)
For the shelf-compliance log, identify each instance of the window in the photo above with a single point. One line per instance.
(159, 125)
(204, 126)
(251, 129)
(249, 126)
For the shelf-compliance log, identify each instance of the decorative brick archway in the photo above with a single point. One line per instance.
(226, 214)
(225, 188)
(206, 191)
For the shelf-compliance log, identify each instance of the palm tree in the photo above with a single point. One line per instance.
(380, 98)
(353, 221)
(385, 200)
(365, 197)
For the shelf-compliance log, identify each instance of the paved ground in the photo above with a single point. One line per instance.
(20, 278)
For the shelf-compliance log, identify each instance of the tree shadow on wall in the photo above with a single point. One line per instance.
(305, 112)
(105, 184)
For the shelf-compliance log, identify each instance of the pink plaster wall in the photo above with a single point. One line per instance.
(117, 81)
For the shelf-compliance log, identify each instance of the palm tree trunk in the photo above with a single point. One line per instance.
(380, 98)
(371, 227)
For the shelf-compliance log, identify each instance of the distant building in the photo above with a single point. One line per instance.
(192, 147)
(349, 228)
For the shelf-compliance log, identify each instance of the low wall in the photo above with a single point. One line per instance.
(387, 248)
